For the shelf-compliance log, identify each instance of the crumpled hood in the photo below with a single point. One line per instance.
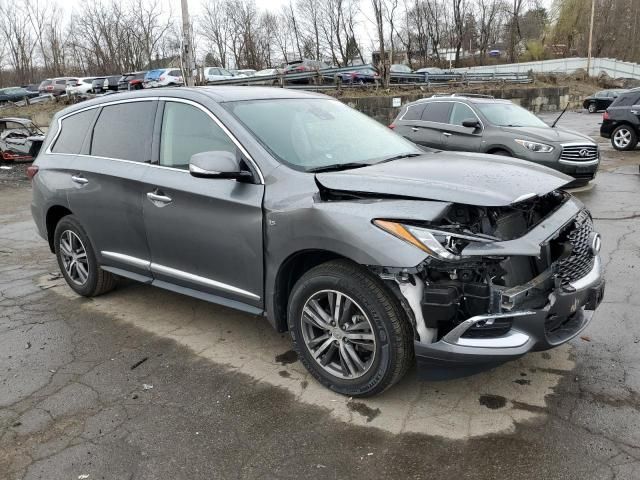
(468, 178)
(547, 134)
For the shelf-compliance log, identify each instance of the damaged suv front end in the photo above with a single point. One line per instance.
(499, 282)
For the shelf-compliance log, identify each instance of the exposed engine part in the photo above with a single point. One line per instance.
(413, 291)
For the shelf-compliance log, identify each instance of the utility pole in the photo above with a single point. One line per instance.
(187, 48)
(593, 9)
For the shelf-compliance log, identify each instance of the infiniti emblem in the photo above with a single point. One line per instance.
(584, 152)
(595, 242)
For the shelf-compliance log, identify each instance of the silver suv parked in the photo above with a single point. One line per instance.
(369, 251)
(487, 125)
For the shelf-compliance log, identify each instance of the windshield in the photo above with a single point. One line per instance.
(308, 134)
(509, 115)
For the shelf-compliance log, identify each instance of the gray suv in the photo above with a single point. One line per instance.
(292, 206)
(487, 125)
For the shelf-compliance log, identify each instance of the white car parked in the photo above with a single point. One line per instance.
(81, 86)
(163, 77)
(213, 74)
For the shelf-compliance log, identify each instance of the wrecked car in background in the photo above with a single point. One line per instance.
(371, 252)
(20, 139)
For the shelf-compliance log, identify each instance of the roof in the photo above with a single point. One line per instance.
(470, 99)
(219, 94)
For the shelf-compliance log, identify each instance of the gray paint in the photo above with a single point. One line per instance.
(221, 239)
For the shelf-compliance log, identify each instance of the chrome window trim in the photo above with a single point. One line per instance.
(149, 99)
(174, 272)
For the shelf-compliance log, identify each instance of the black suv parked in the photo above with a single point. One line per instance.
(621, 121)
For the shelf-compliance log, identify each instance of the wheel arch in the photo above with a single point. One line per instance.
(492, 149)
(54, 215)
(289, 272)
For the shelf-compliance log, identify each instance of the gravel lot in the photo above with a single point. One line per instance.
(146, 384)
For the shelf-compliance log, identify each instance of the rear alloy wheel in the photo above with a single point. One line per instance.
(77, 260)
(624, 138)
(349, 330)
(592, 108)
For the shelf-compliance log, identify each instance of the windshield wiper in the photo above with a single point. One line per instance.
(398, 157)
(335, 167)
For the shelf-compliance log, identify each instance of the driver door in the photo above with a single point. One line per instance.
(204, 234)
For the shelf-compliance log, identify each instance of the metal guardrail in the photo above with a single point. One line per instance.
(330, 74)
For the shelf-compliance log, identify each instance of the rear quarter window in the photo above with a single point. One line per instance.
(627, 100)
(414, 112)
(123, 131)
(73, 131)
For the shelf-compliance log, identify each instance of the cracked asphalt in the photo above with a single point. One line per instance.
(145, 384)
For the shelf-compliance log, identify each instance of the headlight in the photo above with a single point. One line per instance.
(535, 146)
(439, 244)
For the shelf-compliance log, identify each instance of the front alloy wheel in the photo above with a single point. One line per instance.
(338, 334)
(592, 108)
(348, 329)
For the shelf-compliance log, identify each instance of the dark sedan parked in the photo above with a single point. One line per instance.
(368, 75)
(601, 100)
(15, 94)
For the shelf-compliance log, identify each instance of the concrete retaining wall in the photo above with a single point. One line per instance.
(535, 99)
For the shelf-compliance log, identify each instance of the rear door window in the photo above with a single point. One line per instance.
(187, 130)
(123, 131)
(73, 132)
(437, 112)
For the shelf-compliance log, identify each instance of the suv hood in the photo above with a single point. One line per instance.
(468, 178)
(547, 134)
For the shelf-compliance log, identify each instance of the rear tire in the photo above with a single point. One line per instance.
(77, 260)
(624, 138)
(370, 346)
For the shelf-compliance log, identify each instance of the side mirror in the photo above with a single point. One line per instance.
(217, 164)
(471, 123)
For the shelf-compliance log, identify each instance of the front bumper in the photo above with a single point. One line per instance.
(568, 311)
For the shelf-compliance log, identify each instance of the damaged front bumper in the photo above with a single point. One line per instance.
(567, 313)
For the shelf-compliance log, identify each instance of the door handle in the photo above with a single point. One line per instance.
(159, 198)
(414, 129)
(79, 180)
(446, 134)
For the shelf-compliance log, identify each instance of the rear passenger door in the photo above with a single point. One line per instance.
(204, 234)
(108, 192)
(457, 137)
(422, 123)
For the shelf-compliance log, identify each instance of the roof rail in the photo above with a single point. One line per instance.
(468, 95)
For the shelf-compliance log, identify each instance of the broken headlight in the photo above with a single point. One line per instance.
(439, 244)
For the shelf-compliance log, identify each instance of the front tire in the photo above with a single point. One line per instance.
(624, 138)
(77, 260)
(502, 153)
(592, 108)
(349, 330)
